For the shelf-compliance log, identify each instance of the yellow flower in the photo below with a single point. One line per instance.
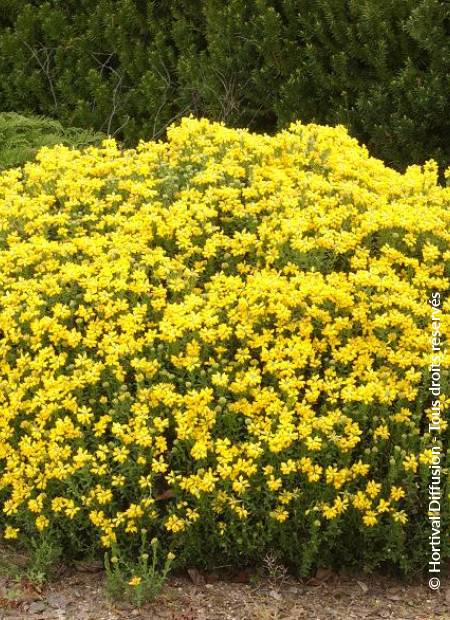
(410, 463)
(383, 506)
(329, 512)
(400, 516)
(41, 522)
(135, 581)
(397, 493)
(11, 532)
(373, 488)
(175, 524)
(361, 501)
(279, 514)
(274, 483)
(426, 457)
(369, 518)
(381, 431)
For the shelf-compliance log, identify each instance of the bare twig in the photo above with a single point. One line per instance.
(127, 120)
(171, 120)
(103, 65)
(44, 65)
(114, 103)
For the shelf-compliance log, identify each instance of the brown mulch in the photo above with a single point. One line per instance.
(79, 595)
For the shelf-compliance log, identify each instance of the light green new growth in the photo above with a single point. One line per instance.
(22, 136)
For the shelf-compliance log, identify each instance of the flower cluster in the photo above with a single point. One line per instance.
(222, 338)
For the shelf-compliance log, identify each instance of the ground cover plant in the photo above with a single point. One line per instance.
(220, 344)
(22, 136)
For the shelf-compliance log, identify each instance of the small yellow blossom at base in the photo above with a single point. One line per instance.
(11, 532)
(135, 581)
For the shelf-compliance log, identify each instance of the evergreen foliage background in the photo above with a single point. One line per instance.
(130, 67)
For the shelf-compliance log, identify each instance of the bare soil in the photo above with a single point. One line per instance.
(78, 594)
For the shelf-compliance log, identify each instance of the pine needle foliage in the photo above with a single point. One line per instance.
(131, 67)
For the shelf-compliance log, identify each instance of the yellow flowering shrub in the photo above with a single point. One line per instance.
(223, 338)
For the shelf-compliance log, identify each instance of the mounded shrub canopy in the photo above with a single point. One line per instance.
(224, 339)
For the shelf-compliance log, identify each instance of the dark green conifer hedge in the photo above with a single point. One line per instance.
(129, 67)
